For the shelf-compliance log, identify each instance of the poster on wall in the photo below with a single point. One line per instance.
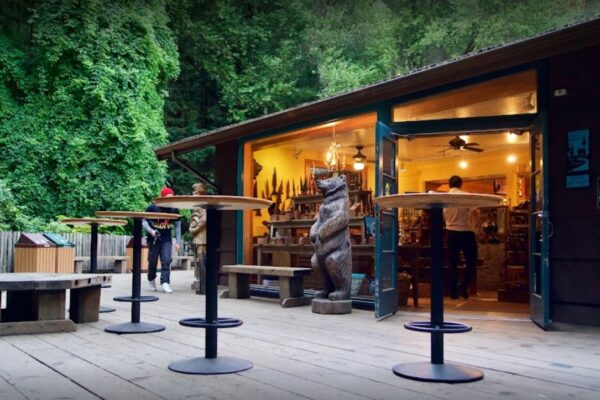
(578, 158)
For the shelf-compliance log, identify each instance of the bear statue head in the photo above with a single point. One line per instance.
(332, 185)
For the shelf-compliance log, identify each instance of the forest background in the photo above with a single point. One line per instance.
(89, 88)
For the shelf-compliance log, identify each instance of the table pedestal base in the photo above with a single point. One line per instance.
(105, 309)
(134, 327)
(428, 372)
(210, 366)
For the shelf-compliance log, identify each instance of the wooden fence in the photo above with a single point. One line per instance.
(108, 245)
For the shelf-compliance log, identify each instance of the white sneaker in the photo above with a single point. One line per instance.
(167, 288)
(152, 285)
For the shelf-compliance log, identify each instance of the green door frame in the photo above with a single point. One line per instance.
(540, 227)
(386, 237)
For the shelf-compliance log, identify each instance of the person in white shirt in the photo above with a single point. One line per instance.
(461, 237)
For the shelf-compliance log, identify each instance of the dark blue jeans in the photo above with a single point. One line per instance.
(162, 250)
(461, 241)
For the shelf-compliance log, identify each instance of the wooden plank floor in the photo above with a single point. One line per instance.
(296, 355)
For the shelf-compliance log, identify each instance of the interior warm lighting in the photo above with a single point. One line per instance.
(511, 159)
(332, 157)
(359, 159)
(463, 164)
(511, 137)
(465, 138)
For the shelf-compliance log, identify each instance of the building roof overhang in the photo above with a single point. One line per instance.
(545, 45)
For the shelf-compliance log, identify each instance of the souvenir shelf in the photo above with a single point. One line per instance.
(517, 258)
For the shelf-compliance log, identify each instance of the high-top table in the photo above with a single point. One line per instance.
(437, 370)
(214, 204)
(135, 326)
(95, 223)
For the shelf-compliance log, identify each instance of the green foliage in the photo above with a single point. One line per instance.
(84, 135)
(89, 88)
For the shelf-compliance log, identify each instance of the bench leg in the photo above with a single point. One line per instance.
(291, 292)
(34, 305)
(121, 266)
(85, 303)
(185, 263)
(78, 267)
(239, 286)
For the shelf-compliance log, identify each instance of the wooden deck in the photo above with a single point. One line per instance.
(296, 355)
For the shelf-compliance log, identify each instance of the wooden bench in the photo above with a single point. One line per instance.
(291, 282)
(184, 262)
(120, 263)
(36, 302)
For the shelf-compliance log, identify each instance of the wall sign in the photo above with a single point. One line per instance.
(578, 159)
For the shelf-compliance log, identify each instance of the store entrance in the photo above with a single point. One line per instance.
(488, 162)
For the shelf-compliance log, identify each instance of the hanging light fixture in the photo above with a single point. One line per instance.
(359, 159)
(332, 157)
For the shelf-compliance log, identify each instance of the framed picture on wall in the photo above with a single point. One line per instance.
(500, 186)
(578, 151)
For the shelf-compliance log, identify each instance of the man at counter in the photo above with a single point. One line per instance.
(461, 237)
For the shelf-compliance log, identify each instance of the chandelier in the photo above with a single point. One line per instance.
(334, 160)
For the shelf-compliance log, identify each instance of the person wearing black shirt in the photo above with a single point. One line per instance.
(160, 243)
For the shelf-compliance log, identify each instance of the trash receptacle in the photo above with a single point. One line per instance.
(129, 253)
(64, 254)
(34, 253)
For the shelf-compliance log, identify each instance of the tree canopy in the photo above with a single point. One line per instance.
(89, 88)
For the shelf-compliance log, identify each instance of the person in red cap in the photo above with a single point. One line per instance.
(160, 243)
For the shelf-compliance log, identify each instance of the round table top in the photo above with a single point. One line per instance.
(137, 214)
(90, 221)
(439, 200)
(217, 202)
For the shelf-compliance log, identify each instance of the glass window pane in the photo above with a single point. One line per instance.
(508, 95)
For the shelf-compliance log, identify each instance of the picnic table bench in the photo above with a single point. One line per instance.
(120, 266)
(36, 302)
(291, 282)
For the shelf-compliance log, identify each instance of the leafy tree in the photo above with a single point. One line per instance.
(90, 115)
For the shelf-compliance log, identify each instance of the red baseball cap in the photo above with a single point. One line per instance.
(166, 191)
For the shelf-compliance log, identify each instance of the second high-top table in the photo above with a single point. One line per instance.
(94, 223)
(211, 364)
(135, 326)
(437, 370)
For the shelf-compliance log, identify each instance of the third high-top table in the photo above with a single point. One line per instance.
(437, 370)
(94, 223)
(214, 204)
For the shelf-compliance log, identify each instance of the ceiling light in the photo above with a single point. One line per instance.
(511, 159)
(511, 137)
(463, 164)
(359, 159)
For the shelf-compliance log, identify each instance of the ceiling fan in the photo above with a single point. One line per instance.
(457, 143)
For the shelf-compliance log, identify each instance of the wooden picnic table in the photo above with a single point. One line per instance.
(36, 302)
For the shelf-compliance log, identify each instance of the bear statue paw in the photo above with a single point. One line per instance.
(321, 294)
(338, 295)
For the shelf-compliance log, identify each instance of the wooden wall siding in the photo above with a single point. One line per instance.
(575, 254)
(108, 245)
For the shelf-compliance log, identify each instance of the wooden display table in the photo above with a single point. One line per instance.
(35, 302)
(437, 370)
(135, 326)
(211, 364)
(95, 223)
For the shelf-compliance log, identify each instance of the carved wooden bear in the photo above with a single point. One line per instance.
(332, 260)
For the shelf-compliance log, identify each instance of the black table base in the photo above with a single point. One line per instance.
(134, 327)
(211, 364)
(427, 372)
(436, 370)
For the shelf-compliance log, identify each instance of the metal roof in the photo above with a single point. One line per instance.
(547, 44)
